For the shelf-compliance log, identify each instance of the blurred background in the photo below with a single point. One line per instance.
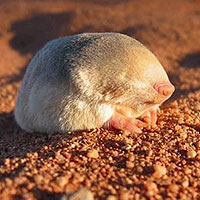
(171, 29)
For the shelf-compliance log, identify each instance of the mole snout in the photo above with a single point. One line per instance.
(164, 88)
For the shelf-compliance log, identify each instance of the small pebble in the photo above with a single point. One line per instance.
(177, 127)
(93, 153)
(59, 156)
(129, 164)
(185, 184)
(139, 169)
(131, 157)
(7, 162)
(62, 181)
(183, 135)
(9, 182)
(198, 145)
(111, 197)
(181, 121)
(197, 106)
(151, 188)
(173, 188)
(159, 171)
(187, 171)
(38, 179)
(82, 194)
(124, 195)
(191, 153)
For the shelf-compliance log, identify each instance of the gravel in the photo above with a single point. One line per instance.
(159, 163)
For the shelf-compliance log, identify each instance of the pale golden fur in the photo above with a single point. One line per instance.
(77, 82)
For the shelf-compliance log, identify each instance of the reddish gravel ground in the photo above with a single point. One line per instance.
(160, 163)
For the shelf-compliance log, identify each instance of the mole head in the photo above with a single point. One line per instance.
(151, 84)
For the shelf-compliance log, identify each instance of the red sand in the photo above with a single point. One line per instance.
(157, 164)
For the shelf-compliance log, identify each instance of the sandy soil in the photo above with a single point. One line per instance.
(160, 163)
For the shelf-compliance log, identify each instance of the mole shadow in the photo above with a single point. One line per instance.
(16, 143)
(14, 78)
(178, 93)
(174, 79)
(44, 195)
(191, 60)
(109, 2)
(182, 93)
(32, 33)
(133, 30)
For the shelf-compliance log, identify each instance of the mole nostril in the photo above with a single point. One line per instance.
(164, 88)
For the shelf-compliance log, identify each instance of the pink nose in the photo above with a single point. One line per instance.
(164, 88)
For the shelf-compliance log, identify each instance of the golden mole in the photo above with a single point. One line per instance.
(92, 80)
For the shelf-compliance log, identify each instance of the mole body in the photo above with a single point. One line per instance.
(92, 80)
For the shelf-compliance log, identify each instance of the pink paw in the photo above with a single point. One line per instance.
(164, 88)
(150, 117)
(121, 122)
